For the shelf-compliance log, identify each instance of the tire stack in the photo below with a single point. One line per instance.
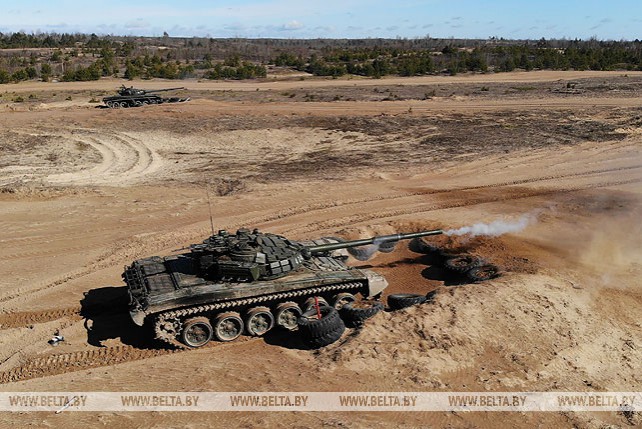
(469, 268)
(319, 332)
(355, 315)
(472, 268)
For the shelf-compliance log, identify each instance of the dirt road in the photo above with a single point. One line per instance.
(86, 191)
(279, 83)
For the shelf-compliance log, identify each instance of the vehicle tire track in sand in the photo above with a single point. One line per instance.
(321, 206)
(24, 318)
(43, 366)
(293, 211)
(466, 201)
(124, 160)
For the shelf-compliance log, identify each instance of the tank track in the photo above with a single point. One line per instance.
(167, 325)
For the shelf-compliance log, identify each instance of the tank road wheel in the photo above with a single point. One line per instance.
(123, 104)
(286, 315)
(109, 104)
(197, 332)
(145, 102)
(228, 326)
(114, 105)
(310, 303)
(258, 321)
(462, 263)
(341, 299)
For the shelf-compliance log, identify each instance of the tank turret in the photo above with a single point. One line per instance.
(250, 256)
(135, 91)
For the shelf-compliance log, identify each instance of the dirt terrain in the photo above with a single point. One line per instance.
(85, 190)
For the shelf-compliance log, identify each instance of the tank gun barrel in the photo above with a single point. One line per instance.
(163, 90)
(373, 240)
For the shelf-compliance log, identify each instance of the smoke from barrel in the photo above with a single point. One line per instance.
(495, 228)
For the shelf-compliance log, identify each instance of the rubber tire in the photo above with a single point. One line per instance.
(388, 247)
(326, 339)
(430, 296)
(403, 300)
(474, 275)
(356, 317)
(315, 328)
(418, 245)
(362, 253)
(462, 263)
(194, 320)
(447, 253)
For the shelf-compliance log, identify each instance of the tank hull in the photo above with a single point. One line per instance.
(157, 285)
(118, 101)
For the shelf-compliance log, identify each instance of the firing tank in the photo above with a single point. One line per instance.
(134, 97)
(248, 282)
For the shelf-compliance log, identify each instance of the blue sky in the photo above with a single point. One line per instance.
(330, 18)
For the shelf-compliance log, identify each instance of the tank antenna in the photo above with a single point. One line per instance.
(209, 205)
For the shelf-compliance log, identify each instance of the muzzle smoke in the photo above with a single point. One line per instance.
(495, 228)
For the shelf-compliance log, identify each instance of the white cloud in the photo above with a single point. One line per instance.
(292, 25)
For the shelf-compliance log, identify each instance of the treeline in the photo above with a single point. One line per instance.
(156, 66)
(88, 57)
(81, 65)
(53, 40)
(377, 62)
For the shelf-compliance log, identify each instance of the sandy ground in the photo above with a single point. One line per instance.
(85, 191)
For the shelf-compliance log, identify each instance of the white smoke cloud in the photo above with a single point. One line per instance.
(497, 227)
